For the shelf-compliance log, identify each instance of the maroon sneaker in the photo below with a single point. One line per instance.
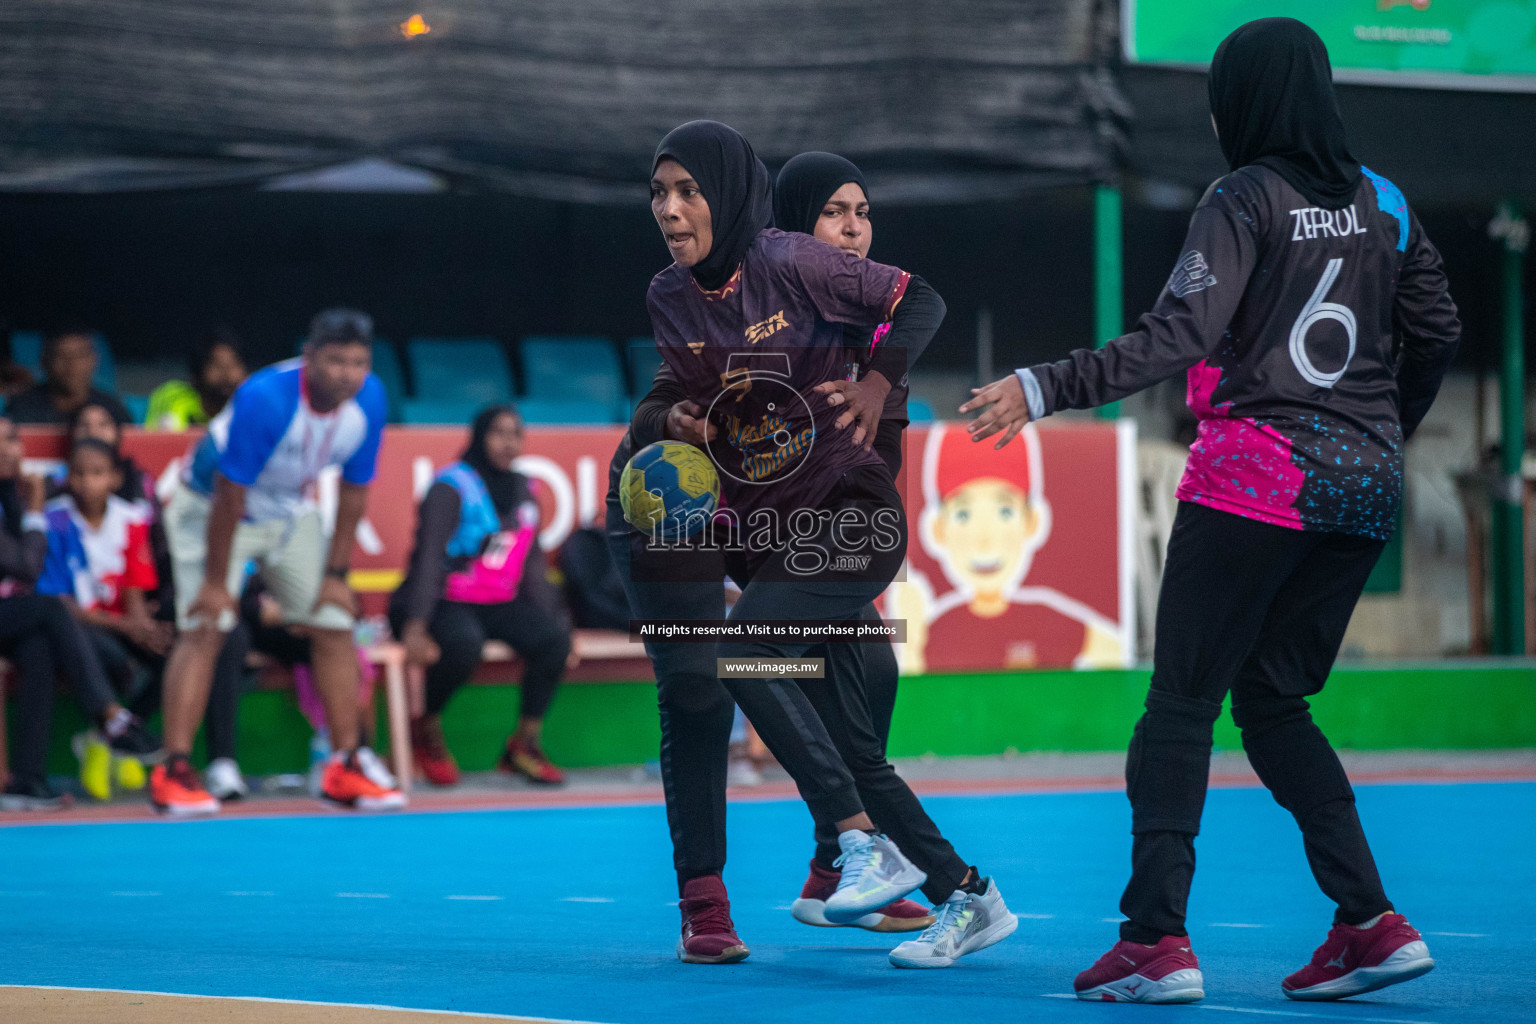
(1355, 960)
(708, 936)
(901, 916)
(1132, 973)
(431, 752)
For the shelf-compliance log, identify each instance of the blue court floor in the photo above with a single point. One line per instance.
(569, 913)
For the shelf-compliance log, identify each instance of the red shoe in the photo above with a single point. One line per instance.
(708, 936)
(1356, 960)
(810, 908)
(529, 761)
(175, 789)
(431, 753)
(1132, 973)
(348, 782)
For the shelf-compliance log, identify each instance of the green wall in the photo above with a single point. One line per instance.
(1486, 704)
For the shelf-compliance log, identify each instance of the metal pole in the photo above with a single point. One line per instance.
(1508, 540)
(1108, 273)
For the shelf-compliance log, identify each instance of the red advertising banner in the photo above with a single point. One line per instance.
(1018, 558)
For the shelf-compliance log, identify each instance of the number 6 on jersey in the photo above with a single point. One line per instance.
(1313, 313)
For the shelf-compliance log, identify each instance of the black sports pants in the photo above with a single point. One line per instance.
(695, 709)
(121, 658)
(461, 630)
(1259, 610)
(829, 742)
(40, 637)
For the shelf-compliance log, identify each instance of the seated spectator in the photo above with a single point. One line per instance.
(69, 363)
(93, 420)
(134, 667)
(99, 563)
(262, 617)
(477, 573)
(217, 367)
(39, 637)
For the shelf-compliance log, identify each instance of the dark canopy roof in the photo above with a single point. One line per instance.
(562, 99)
(1472, 148)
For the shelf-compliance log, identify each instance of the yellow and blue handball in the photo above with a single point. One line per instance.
(669, 490)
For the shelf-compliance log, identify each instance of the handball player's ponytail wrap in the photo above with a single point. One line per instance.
(1271, 90)
(736, 186)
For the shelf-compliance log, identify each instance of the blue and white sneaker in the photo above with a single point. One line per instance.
(965, 923)
(875, 873)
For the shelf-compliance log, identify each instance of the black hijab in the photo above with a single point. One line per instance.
(1271, 89)
(505, 487)
(134, 487)
(805, 184)
(736, 186)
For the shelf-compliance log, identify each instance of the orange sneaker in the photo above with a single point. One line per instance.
(529, 761)
(359, 782)
(175, 789)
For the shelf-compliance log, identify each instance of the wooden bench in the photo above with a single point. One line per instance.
(403, 689)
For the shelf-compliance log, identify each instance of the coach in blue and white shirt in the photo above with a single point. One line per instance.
(248, 495)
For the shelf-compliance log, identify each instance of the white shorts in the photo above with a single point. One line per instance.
(289, 555)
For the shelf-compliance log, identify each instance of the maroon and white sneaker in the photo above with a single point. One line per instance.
(1355, 960)
(708, 936)
(901, 916)
(1132, 973)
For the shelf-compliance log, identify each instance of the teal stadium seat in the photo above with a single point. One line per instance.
(570, 368)
(644, 358)
(386, 367)
(436, 410)
(137, 406)
(465, 370)
(27, 351)
(565, 410)
(918, 410)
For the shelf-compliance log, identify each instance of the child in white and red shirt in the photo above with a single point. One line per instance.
(100, 563)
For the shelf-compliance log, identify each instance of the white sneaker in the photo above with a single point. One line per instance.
(965, 923)
(373, 766)
(875, 873)
(224, 780)
(742, 772)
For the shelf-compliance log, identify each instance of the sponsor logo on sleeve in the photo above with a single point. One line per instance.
(1192, 274)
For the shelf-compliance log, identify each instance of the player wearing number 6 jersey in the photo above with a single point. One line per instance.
(1311, 315)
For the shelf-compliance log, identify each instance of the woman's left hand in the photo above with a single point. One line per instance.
(1007, 410)
(865, 400)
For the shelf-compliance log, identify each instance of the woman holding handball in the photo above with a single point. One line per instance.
(822, 195)
(749, 320)
(1312, 317)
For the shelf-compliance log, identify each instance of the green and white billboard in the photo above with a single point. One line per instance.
(1453, 44)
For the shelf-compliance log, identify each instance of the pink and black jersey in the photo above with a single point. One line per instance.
(752, 351)
(1314, 341)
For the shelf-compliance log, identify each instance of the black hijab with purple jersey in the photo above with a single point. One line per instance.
(1271, 90)
(805, 184)
(735, 184)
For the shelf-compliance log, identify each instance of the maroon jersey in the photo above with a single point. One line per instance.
(752, 351)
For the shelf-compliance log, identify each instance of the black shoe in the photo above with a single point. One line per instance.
(137, 741)
(32, 795)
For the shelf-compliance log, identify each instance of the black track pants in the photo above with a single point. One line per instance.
(1260, 611)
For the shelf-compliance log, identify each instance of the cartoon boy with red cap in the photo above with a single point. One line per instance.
(984, 517)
